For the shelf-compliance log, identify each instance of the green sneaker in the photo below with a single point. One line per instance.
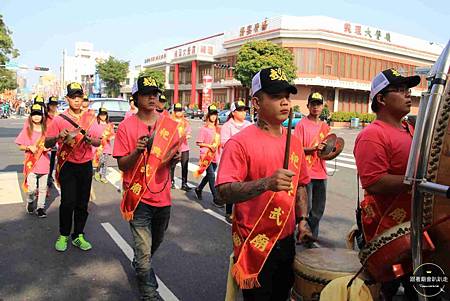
(81, 243)
(61, 243)
(97, 177)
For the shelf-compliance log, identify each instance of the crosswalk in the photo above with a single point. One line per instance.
(346, 160)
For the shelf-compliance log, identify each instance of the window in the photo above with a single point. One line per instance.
(360, 67)
(354, 66)
(366, 68)
(341, 72)
(348, 65)
(321, 55)
(124, 105)
(335, 63)
(111, 105)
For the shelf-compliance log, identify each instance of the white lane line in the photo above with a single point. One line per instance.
(216, 215)
(347, 154)
(165, 293)
(331, 162)
(346, 159)
(10, 188)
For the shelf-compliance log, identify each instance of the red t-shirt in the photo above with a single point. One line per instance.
(42, 166)
(250, 155)
(83, 153)
(308, 131)
(206, 135)
(128, 133)
(381, 149)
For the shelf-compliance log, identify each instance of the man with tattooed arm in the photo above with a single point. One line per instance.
(268, 199)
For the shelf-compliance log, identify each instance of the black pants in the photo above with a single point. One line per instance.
(210, 178)
(184, 168)
(52, 163)
(229, 209)
(277, 275)
(75, 180)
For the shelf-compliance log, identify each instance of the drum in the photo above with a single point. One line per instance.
(389, 255)
(315, 268)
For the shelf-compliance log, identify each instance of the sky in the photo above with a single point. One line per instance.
(137, 29)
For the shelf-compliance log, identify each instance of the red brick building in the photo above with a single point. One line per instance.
(334, 57)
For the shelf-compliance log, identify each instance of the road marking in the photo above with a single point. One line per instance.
(346, 159)
(10, 189)
(216, 215)
(164, 291)
(331, 162)
(347, 154)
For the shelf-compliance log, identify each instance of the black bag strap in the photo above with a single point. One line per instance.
(357, 191)
(82, 131)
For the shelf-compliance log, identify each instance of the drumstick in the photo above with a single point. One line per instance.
(288, 142)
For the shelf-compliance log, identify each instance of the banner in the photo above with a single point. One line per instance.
(207, 92)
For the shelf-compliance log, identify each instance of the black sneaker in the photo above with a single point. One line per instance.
(217, 205)
(172, 186)
(198, 193)
(185, 187)
(30, 207)
(40, 212)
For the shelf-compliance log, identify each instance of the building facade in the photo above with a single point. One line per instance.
(334, 57)
(81, 67)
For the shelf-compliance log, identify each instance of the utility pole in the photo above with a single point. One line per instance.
(62, 73)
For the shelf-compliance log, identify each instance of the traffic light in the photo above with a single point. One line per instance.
(41, 68)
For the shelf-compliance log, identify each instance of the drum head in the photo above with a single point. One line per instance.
(327, 261)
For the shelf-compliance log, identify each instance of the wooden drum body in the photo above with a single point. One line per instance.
(315, 268)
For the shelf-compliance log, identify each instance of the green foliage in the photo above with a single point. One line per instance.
(7, 51)
(344, 116)
(157, 75)
(367, 117)
(112, 72)
(347, 116)
(296, 108)
(325, 112)
(256, 55)
(7, 80)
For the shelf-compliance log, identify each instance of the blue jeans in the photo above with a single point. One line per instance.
(210, 178)
(317, 196)
(147, 227)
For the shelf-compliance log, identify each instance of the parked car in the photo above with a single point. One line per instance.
(223, 116)
(197, 114)
(188, 113)
(117, 107)
(62, 105)
(295, 119)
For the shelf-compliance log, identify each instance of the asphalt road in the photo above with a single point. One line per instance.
(192, 262)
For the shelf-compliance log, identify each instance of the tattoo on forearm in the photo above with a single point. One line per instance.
(237, 192)
(301, 201)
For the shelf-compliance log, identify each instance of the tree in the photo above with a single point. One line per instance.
(256, 55)
(158, 75)
(7, 51)
(112, 72)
